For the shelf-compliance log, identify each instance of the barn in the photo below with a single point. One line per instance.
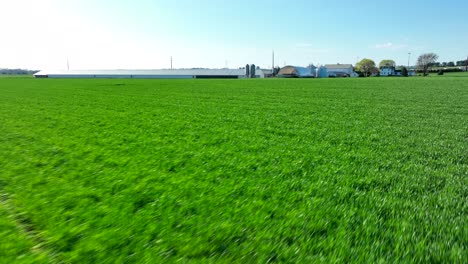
(340, 70)
(297, 72)
(150, 74)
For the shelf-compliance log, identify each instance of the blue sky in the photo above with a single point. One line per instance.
(144, 34)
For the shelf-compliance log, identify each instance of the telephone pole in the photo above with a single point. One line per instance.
(273, 61)
(409, 56)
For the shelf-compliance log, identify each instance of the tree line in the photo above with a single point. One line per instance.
(450, 64)
(367, 67)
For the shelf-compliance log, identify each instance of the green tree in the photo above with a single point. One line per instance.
(404, 72)
(387, 63)
(366, 66)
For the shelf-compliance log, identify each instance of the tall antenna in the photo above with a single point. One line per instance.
(273, 61)
(409, 56)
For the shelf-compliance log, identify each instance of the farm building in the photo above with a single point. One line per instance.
(392, 71)
(297, 72)
(340, 70)
(268, 73)
(321, 72)
(151, 74)
(387, 71)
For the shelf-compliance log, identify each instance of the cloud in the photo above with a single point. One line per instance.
(389, 46)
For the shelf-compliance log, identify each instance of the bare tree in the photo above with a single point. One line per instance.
(425, 61)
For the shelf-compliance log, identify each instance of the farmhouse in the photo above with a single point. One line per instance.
(392, 71)
(340, 70)
(151, 74)
(387, 71)
(297, 72)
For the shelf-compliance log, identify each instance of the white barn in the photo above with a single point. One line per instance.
(340, 70)
(151, 74)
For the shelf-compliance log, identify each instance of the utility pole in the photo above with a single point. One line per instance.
(273, 61)
(409, 56)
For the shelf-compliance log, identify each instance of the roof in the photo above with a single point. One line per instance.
(212, 72)
(288, 70)
(295, 71)
(338, 66)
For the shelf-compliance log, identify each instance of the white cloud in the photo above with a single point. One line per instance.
(389, 46)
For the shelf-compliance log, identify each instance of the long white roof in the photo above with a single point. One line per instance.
(338, 66)
(185, 72)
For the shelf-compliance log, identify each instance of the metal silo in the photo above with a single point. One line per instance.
(247, 71)
(321, 72)
(252, 71)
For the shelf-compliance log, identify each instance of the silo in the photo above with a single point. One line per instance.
(252, 71)
(247, 71)
(321, 72)
(312, 70)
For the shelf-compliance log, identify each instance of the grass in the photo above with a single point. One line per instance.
(450, 74)
(15, 246)
(150, 171)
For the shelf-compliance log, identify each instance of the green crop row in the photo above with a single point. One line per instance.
(234, 171)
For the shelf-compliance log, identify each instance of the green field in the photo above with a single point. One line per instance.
(450, 74)
(234, 171)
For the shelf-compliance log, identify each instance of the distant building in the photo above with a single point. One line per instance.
(321, 72)
(340, 70)
(388, 71)
(151, 74)
(392, 71)
(267, 72)
(297, 72)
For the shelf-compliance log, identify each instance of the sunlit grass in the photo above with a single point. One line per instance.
(338, 170)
